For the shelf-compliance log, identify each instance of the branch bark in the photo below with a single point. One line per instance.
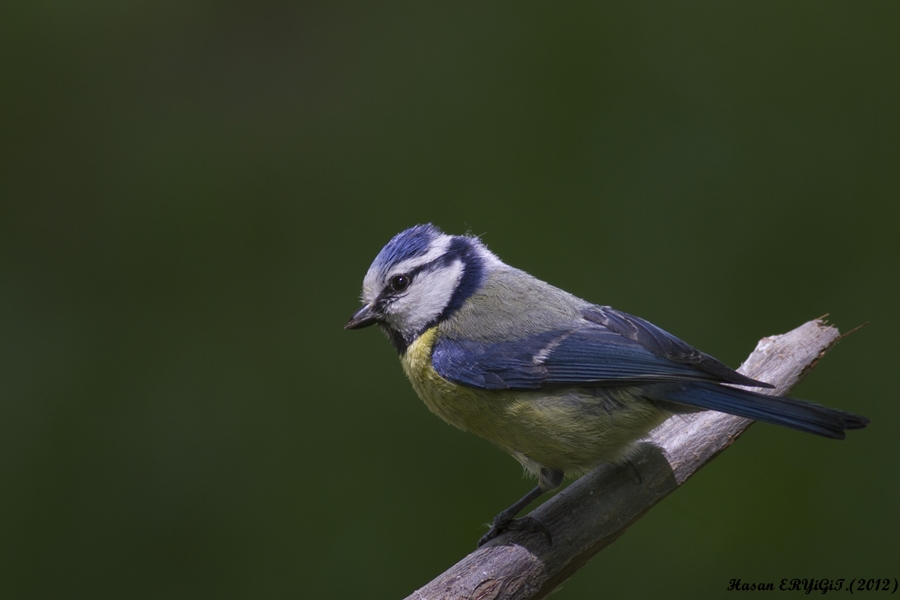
(595, 510)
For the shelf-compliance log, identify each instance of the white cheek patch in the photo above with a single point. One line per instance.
(428, 296)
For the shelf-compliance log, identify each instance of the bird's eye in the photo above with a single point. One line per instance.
(400, 282)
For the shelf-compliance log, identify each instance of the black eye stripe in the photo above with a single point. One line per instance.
(455, 254)
(410, 275)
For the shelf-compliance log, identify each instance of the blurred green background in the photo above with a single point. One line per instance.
(191, 193)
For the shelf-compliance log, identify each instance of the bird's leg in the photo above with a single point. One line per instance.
(506, 520)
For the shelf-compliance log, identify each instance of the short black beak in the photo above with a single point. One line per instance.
(364, 317)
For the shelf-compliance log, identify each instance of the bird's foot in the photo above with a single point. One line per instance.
(528, 524)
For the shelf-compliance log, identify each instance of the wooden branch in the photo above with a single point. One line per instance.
(595, 510)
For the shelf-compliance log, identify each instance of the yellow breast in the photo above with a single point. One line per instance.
(516, 421)
(447, 400)
(568, 429)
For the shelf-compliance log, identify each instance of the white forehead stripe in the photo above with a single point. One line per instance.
(436, 249)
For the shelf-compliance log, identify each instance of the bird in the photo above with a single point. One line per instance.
(560, 383)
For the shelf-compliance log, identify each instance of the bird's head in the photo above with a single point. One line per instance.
(419, 278)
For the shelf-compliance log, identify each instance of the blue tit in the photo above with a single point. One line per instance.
(561, 384)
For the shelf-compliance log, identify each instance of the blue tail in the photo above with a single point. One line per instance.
(787, 412)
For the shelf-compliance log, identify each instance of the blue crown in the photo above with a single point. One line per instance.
(407, 244)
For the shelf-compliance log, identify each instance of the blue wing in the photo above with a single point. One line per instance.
(608, 348)
(664, 344)
(613, 348)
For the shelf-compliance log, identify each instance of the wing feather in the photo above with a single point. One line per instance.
(591, 355)
(664, 344)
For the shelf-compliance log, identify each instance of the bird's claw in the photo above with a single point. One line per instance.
(528, 524)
